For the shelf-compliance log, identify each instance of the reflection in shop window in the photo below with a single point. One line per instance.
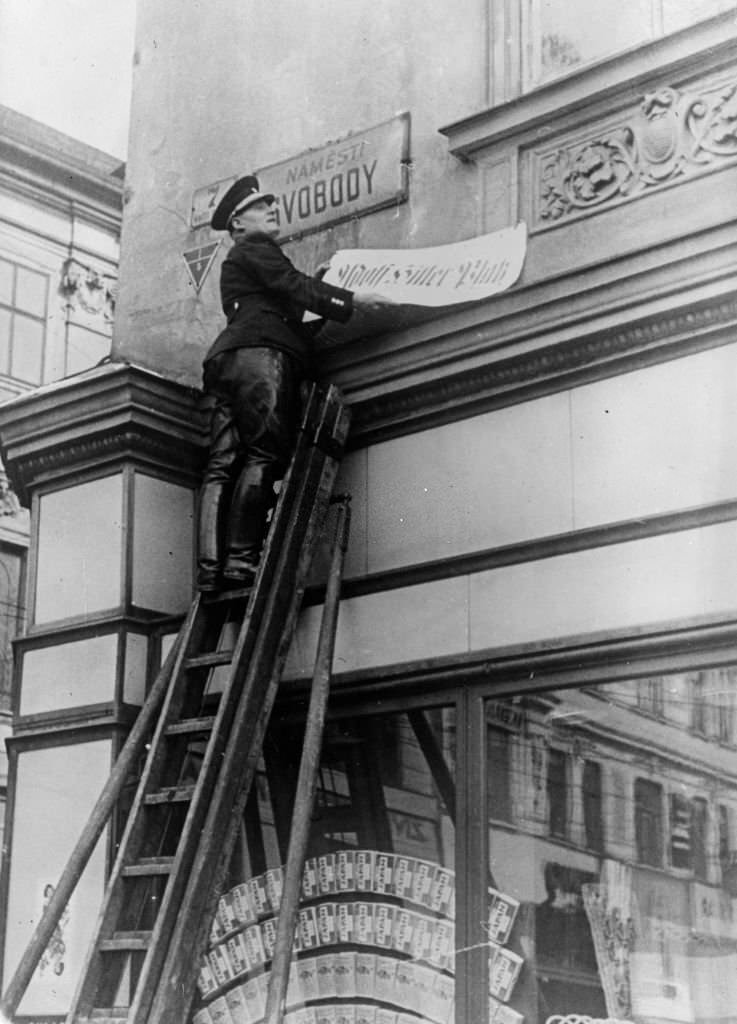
(592, 806)
(375, 932)
(725, 682)
(649, 822)
(650, 696)
(699, 709)
(557, 794)
(497, 775)
(633, 919)
(725, 847)
(681, 829)
(699, 826)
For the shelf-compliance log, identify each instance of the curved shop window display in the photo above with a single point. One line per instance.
(374, 942)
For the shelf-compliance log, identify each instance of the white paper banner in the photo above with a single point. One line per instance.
(441, 276)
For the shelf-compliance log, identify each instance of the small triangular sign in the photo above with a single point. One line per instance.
(199, 261)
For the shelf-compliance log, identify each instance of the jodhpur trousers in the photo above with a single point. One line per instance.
(252, 434)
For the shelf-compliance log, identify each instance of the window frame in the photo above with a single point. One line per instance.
(15, 311)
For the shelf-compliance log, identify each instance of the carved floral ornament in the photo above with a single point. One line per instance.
(89, 289)
(673, 135)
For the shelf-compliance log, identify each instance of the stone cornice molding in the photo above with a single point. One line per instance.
(102, 215)
(505, 381)
(39, 153)
(113, 412)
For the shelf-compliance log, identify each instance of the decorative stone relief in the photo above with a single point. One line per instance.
(54, 956)
(87, 289)
(9, 504)
(673, 135)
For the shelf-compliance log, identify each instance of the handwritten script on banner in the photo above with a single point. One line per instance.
(441, 276)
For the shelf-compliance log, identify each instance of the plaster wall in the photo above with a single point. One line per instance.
(655, 441)
(220, 90)
(649, 442)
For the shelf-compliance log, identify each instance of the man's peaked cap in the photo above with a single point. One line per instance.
(242, 194)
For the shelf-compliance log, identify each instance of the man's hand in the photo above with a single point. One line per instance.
(371, 302)
(322, 270)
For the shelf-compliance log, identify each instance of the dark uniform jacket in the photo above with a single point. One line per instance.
(264, 296)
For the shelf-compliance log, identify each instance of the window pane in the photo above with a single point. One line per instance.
(30, 292)
(377, 907)
(27, 357)
(6, 326)
(680, 13)
(573, 33)
(617, 902)
(6, 282)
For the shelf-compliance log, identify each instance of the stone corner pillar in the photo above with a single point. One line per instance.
(108, 461)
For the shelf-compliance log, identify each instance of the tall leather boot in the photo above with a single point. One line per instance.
(214, 504)
(252, 498)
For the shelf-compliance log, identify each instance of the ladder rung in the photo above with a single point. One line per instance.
(209, 660)
(170, 795)
(188, 725)
(111, 1015)
(224, 596)
(149, 866)
(126, 941)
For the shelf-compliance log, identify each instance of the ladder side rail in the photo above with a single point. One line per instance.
(171, 1000)
(86, 994)
(134, 831)
(304, 798)
(289, 511)
(436, 761)
(169, 906)
(85, 845)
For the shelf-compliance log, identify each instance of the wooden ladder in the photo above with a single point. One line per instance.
(209, 709)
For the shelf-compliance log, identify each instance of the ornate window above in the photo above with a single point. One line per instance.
(560, 36)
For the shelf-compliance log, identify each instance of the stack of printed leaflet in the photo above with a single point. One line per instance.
(374, 944)
(504, 965)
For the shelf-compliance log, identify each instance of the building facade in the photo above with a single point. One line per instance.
(60, 213)
(527, 804)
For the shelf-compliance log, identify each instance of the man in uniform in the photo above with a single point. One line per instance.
(253, 372)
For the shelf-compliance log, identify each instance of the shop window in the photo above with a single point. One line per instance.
(557, 794)
(564, 35)
(548, 927)
(23, 312)
(592, 807)
(649, 822)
